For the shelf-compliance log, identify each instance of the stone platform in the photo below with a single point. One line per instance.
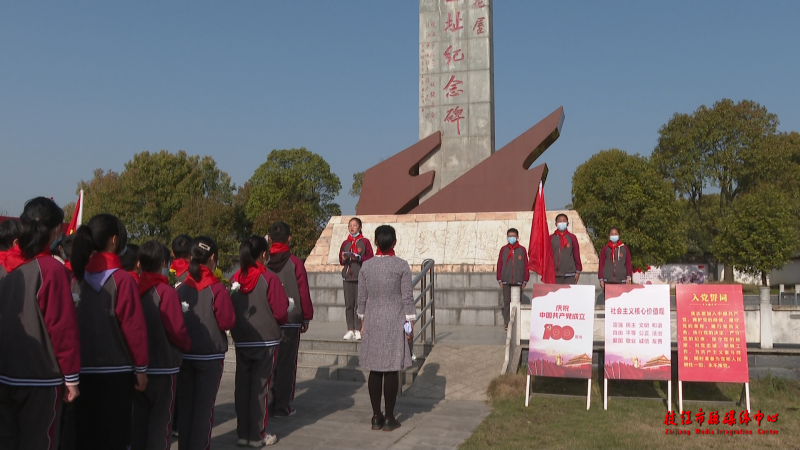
(465, 248)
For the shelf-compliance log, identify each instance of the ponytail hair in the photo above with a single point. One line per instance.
(202, 249)
(249, 251)
(94, 237)
(39, 218)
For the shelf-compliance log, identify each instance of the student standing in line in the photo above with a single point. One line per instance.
(615, 261)
(67, 439)
(260, 305)
(292, 273)
(354, 251)
(208, 314)
(130, 261)
(566, 253)
(512, 270)
(9, 233)
(40, 361)
(181, 247)
(167, 338)
(113, 335)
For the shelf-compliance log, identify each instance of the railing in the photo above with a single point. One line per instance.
(426, 281)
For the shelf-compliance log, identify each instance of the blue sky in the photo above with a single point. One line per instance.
(85, 85)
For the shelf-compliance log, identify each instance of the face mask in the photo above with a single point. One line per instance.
(355, 235)
(512, 240)
(562, 226)
(613, 239)
(165, 271)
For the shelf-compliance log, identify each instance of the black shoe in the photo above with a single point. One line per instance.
(377, 422)
(391, 425)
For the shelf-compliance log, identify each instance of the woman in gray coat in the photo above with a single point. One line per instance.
(385, 304)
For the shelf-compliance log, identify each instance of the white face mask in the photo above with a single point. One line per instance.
(562, 226)
(613, 239)
(355, 235)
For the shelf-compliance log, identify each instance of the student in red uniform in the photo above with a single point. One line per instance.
(260, 305)
(354, 251)
(130, 261)
(113, 335)
(566, 253)
(615, 261)
(208, 314)
(292, 273)
(40, 361)
(512, 270)
(181, 248)
(9, 233)
(167, 338)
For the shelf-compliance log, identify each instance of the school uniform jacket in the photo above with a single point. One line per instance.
(38, 326)
(512, 265)
(210, 314)
(3, 272)
(292, 273)
(179, 268)
(260, 311)
(112, 325)
(363, 248)
(567, 259)
(166, 332)
(617, 269)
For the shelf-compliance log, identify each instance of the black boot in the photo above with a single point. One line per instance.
(377, 422)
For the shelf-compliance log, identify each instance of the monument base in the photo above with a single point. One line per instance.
(465, 247)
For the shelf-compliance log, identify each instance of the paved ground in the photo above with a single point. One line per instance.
(458, 372)
(336, 415)
(445, 334)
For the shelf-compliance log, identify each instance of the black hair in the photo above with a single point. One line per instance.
(130, 257)
(385, 237)
(9, 232)
(512, 230)
(360, 225)
(562, 215)
(151, 256)
(39, 218)
(279, 232)
(202, 249)
(612, 229)
(66, 245)
(167, 254)
(182, 246)
(94, 237)
(250, 250)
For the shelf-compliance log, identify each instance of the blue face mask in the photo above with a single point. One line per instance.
(613, 239)
(512, 240)
(562, 226)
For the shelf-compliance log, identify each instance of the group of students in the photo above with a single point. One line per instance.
(512, 263)
(93, 327)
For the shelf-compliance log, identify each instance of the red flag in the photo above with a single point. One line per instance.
(77, 216)
(540, 253)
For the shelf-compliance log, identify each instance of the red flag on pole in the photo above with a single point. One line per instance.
(77, 216)
(540, 253)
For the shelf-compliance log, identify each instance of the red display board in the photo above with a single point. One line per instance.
(711, 341)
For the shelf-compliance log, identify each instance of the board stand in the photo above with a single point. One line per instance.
(588, 392)
(745, 394)
(669, 395)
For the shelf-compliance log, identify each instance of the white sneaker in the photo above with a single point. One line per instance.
(271, 439)
(349, 335)
(358, 335)
(242, 443)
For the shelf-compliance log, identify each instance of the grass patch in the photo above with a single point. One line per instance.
(564, 422)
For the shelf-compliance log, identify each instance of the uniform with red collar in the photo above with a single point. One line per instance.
(615, 263)
(292, 273)
(208, 314)
(42, 352)
(361, 247)
(167, 338)
(512, 270)
(566, 256)
(180, 268)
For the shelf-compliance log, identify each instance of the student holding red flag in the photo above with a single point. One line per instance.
(512, 270)
(615, 261)
(540, 258)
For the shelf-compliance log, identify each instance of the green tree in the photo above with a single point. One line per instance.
(358, 183)
(305, 230)
(614, 188)
(759, 231)
(210, 217)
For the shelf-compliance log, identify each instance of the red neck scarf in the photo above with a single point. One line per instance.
(68, 265)
(389, 252)
(134, 275)
(563, 236)
(148, 280)
(180, 266)
(101, 261)
(352, 240)
(612, 246)
(249, 281)
(278, 248)
(14, 258)
(511, 250)
(207, 278)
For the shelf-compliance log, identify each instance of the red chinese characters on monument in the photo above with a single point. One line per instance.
(480, 26)
(430, 29)
(453, 87)
(455, 115)
(478, 4)
(452, 55)
(454, 25)
(427, 91)
(711, 334)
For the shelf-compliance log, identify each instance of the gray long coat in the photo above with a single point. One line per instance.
(386, 300)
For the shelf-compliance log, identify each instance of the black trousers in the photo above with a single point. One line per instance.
(350, 305)
(565, 280)
(255, 367)
(103, 411)
(281, 393)
(199, 382)
(29, 417)
(152, 413)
